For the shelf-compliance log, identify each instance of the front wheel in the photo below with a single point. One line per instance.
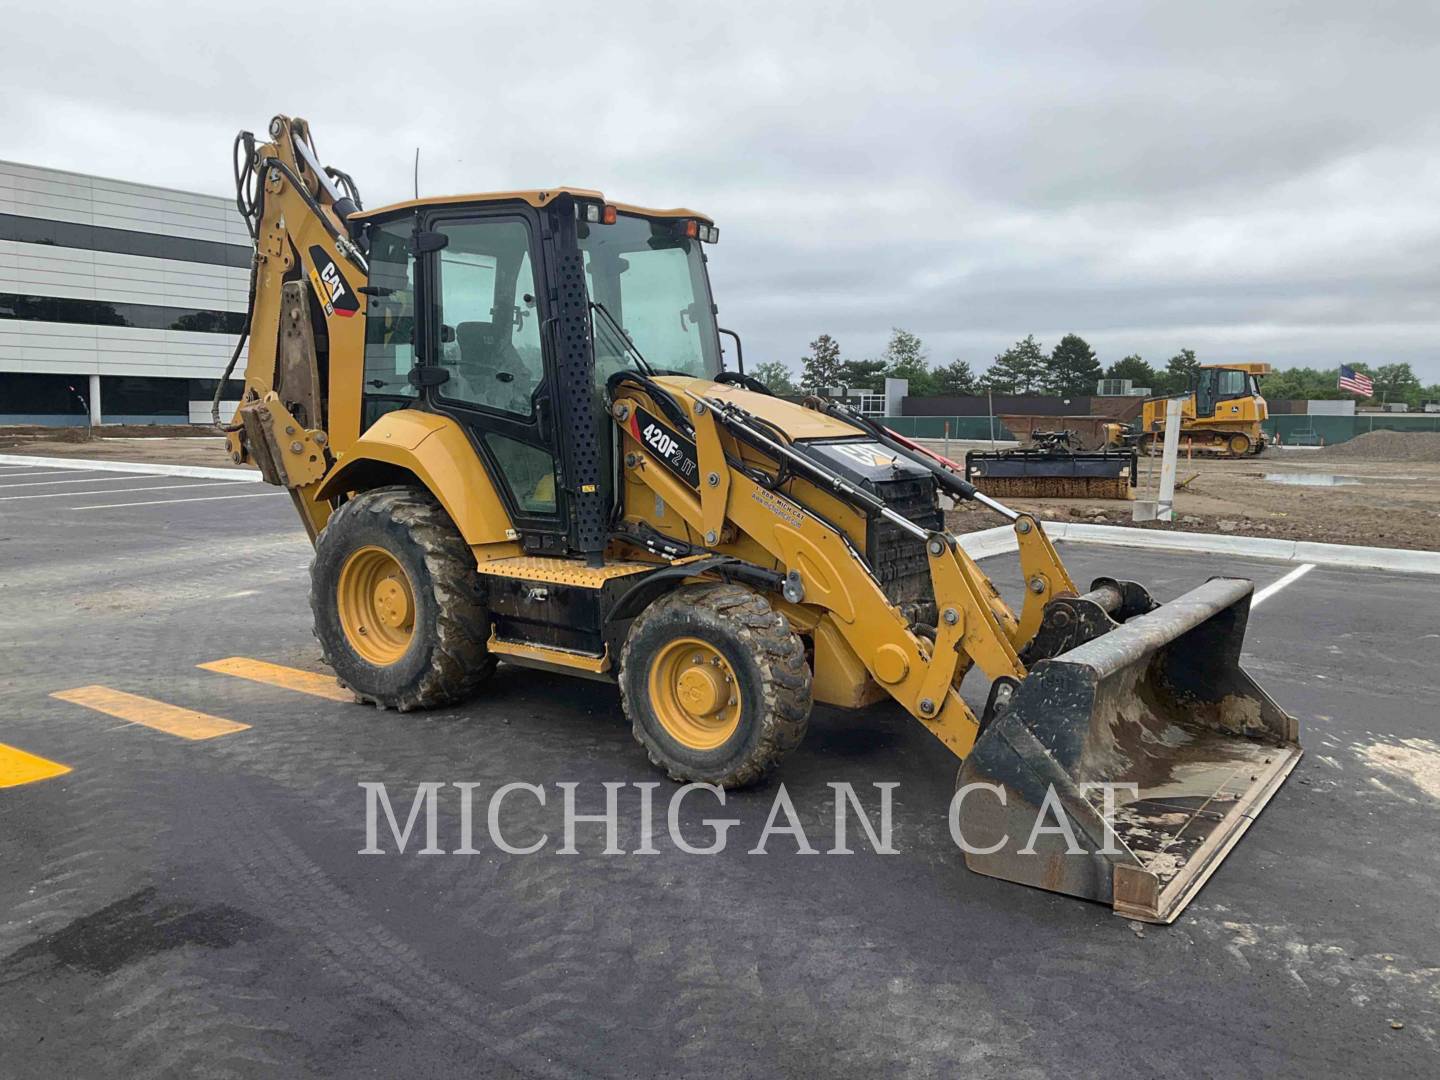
(715, 684)
(396, 602)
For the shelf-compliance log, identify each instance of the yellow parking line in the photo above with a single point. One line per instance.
(287, 678)
(170, 719)
(17, 767)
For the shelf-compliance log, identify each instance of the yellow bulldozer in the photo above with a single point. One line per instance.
(1223, 417)
(506, 425)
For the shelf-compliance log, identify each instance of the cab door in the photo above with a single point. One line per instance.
(1205, 393)
(484, 313)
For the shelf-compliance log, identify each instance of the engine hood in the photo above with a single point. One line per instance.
(798, 422)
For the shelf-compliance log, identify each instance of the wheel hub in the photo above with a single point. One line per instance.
(699, 690)
(376, 605)
(694, 693)
(392, 602)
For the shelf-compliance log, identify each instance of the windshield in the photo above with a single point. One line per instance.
(652, 283)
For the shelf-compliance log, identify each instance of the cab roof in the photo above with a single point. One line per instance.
(1250, 367)
(537, 198)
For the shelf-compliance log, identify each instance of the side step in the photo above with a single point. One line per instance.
(549, 657)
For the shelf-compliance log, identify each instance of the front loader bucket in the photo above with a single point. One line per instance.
(1158, 709)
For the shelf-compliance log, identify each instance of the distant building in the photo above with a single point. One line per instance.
(1338, 407)
(121, 298)
(1120, 388)
(865, 402)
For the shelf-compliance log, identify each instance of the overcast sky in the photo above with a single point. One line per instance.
(1251, 180)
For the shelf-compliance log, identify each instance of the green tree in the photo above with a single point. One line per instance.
(956, 379)
(1073, 369)
(820, 367)
(1135, 369)
(1020, 369)
(905, 358)
(1397, 382)
(776, 376)
(863, 374)
(1180, 372)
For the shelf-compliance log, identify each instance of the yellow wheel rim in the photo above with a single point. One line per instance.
(694, 693)
(1239, 444)
(377, 605)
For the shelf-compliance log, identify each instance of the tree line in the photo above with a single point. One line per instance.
(1070, 369)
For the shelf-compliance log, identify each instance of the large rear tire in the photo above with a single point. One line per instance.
(396, 602)
(715, 684)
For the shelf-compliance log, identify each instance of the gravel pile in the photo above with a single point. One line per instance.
(1389, 446)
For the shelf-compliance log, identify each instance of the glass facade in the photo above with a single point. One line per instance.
(60, 309)
(120, 395)
(73, 234)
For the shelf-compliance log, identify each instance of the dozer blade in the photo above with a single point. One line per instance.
(1158, 702)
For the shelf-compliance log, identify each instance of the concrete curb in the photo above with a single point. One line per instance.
(197, 472)
(987, 542)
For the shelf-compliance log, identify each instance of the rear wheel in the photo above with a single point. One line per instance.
(1238, 444)
(396, 602)
(715, 684)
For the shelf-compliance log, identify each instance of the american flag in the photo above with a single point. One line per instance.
(1355, 382)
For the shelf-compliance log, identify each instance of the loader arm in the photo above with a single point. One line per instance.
(826, 571)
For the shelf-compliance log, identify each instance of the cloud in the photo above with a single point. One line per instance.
(1251, 180)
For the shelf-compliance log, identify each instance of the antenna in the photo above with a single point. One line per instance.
(417, 172)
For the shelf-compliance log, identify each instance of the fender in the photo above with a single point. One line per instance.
(436, 451)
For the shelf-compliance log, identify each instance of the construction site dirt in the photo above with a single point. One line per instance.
(1338, 495)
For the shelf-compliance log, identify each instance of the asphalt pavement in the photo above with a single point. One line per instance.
(182, 891)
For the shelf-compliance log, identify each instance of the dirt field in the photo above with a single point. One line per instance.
(178, 445)
(1338, 494)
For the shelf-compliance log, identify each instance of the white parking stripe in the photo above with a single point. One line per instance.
(117, 491)
(167, 502)
(1275, 586)
(114, 479)
(202, 472)
(54, 472)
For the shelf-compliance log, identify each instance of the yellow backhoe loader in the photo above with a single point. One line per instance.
(505, 422)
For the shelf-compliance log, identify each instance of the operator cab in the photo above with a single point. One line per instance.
(473, 313)
(1216, 384)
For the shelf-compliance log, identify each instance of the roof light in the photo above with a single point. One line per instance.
(592, 212)
(607, 216)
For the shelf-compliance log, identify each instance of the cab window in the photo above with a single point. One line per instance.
(390, 313)
(652, 282)
(1231, 383)
(489, 322)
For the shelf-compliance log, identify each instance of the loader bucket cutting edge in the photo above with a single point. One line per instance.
(1159, 702)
